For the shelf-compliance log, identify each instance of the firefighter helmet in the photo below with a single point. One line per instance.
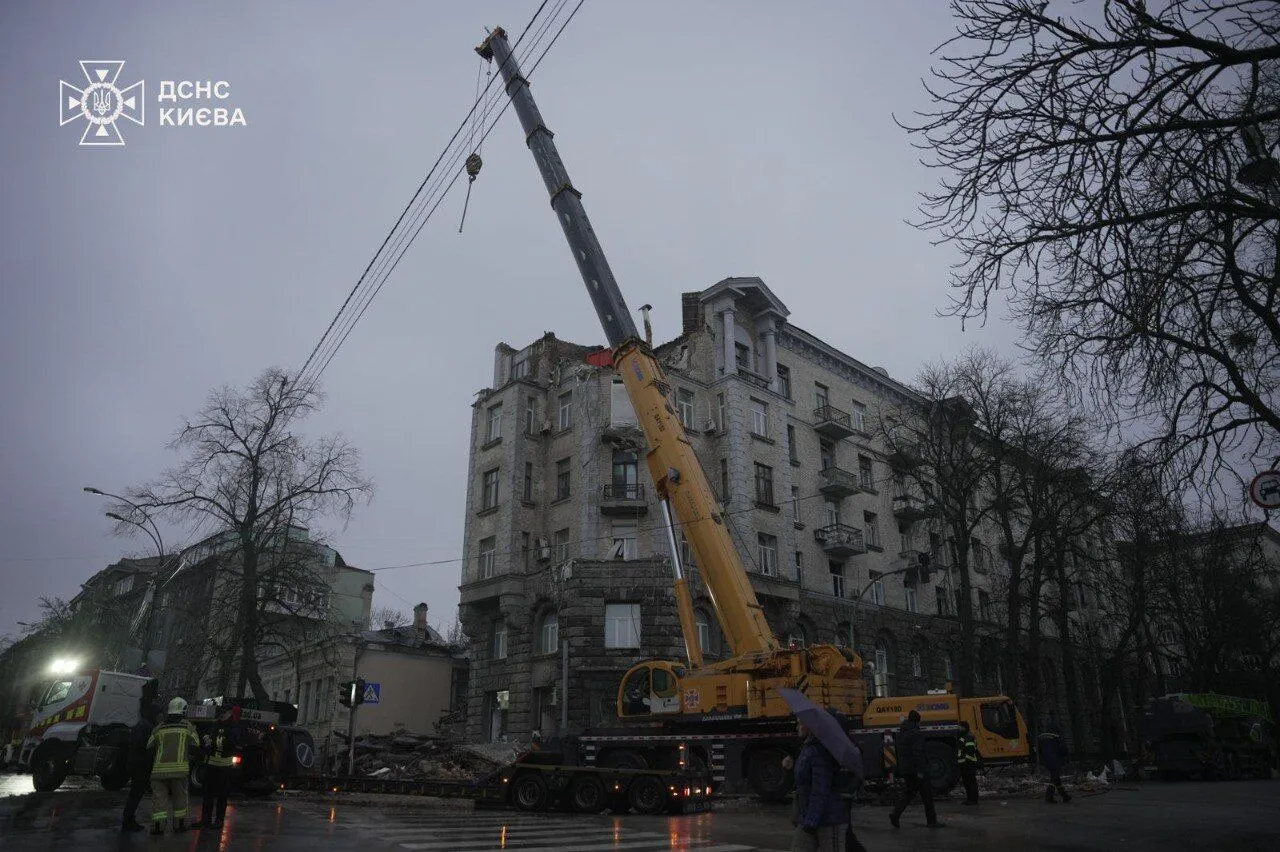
(177, 707)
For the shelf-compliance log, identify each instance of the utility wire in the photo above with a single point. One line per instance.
(399, 238)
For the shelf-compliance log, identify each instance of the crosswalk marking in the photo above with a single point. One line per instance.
(514, 831)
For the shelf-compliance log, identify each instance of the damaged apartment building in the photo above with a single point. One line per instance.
(566, 562)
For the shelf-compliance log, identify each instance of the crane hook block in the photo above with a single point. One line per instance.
(473, 166)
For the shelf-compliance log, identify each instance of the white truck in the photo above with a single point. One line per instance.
(81, 727)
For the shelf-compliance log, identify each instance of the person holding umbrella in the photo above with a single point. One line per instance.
(821, 816)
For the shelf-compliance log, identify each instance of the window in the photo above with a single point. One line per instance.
(497, 722)
(560, 544)
(549, 634)
(948, 666)
(917, 663)
(826, 453)
(494, 430)
(877, 592)
(984, 606)
(530, 415)
(795, 504)
(704, 630)
(837, 579)
(859, 415)
(685, 407)
(720, 412)
(304, 702)
(742, 356)
(490, 489)
(784, 380)
(524, 548)
(821, 395)
(124, 585)
(527, 491)
(764, 484)
(488, 548)
(759, 418)
(792, 452)
(882, 669)
(872, 524)
(624, 540)
(520, 368)
(724, 480)
(562, 479)
(833, 514)
(622, 625)
(911, 599)
(565, 407)
(767, 553)
(499, 640)
(866, 473)
(626, 472)
(799, 562)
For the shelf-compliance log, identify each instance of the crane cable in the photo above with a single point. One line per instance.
(474, 163)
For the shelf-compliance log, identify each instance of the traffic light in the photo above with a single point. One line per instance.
(347, 694)
(358, 694)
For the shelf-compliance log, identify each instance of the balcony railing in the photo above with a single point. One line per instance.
(838, 483)
(904, 456)
(840, 540)
(753, 377)
(909, 507)
(832, 422)
(623, 498)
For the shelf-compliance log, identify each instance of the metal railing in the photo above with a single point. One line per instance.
(624, 491)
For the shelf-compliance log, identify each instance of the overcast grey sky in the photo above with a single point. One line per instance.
(709, 139)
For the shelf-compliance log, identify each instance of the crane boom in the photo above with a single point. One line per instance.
(678, 477)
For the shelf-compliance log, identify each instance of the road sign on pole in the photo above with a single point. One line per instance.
(1265, 489)
(372, 692)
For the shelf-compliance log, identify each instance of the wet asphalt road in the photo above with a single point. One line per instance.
(1213, 817)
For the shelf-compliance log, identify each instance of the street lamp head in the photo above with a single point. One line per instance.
(92, 490)
(113, 516)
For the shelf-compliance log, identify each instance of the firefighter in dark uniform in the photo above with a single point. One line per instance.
(138, 759)
(218, 764)
(967, 757)
(913, 766)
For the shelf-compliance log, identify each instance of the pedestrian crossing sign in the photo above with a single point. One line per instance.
(372, 692)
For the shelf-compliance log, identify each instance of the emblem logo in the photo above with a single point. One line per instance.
(101, 103)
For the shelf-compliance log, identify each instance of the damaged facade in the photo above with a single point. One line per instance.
(566, 559)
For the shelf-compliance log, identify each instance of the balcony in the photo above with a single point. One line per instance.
(832, 423)
(904, 456)
(840, 541)
(753, 378)
(838, 484)
(621, 499)
(909, 507)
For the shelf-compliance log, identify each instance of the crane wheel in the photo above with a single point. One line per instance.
(647, 795)
(941, 767)
(529, 792)
(587, 794)
(768, 779)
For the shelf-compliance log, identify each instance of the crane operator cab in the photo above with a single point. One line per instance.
(649, 689)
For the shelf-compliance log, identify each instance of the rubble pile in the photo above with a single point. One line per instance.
(406, 755)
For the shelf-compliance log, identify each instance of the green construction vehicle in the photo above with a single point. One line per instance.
(1209, 736)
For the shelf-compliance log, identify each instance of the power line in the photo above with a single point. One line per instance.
(398, 240)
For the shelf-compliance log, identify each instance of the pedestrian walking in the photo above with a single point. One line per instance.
(967, 757)
(219, 762)
(912, 766)
(820, 814)
(173, 741)
(1053, 756)
(138, 760)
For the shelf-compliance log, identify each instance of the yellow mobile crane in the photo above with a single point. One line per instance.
(681, 702)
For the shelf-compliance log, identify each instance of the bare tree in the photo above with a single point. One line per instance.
(1113, 177)
(252, 476)
(386, 616)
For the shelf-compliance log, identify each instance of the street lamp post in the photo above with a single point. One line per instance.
(148, 526)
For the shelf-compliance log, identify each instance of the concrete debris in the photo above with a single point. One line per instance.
(406, 755)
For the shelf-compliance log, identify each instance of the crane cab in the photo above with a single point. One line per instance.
(649, 689)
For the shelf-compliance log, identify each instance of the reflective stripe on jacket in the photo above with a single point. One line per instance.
(219, 749)
(967, 750)
(171, 742)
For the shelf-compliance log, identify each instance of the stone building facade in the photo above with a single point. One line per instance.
(564, 543)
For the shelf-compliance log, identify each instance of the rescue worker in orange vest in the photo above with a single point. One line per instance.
(218, 763)
(173, 740)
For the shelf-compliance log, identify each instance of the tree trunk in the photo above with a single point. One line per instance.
(968, 634)
(1034, 638)
(1069, 678)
